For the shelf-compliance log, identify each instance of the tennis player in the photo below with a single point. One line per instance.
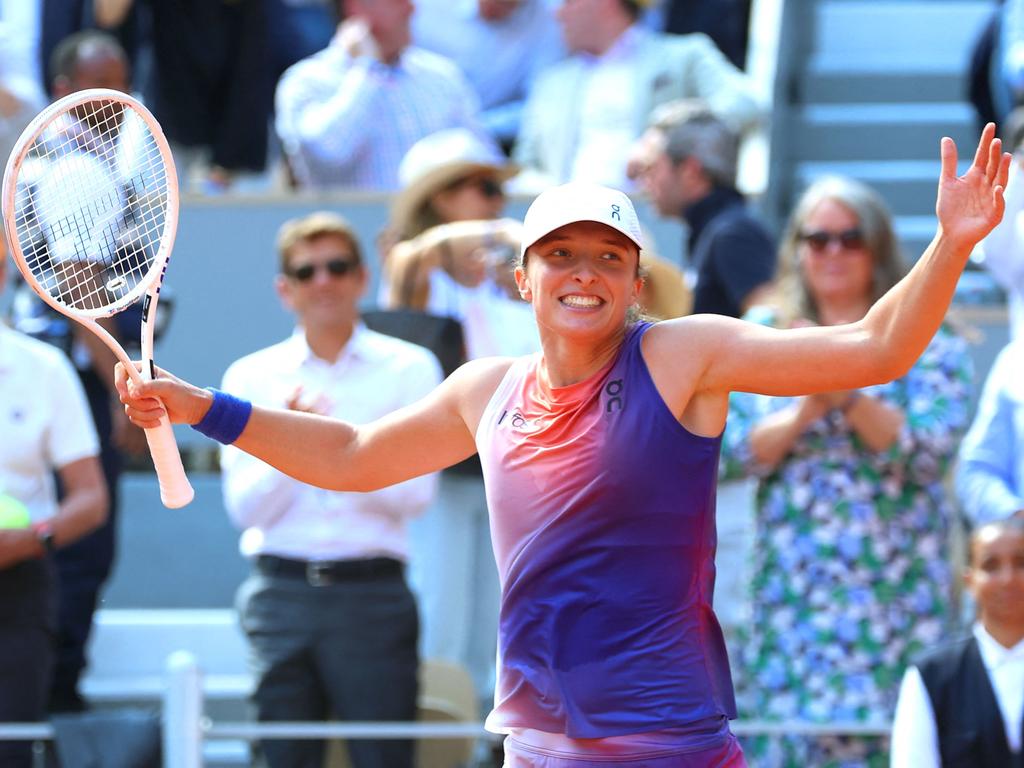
(599, 457)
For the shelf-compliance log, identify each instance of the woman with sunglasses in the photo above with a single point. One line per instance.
(454, 254)
(850, 574)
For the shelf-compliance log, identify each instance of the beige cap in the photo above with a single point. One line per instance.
(440, 159)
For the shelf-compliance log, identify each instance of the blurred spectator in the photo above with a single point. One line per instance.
(348, 114)
(726, 22)
(209, 70)
(455, 260)
(21, 94)
(500, 45)
(211, 86)
(44, 419)
(979, 70)
(1007, 66)
(583, 114)
(990, 473)
(1001, 250)
(297, 29)
(331, 623)
(851, 574)
(686, 162)
(87, 59)
(456, 256)
(125, 20)
(963, 703)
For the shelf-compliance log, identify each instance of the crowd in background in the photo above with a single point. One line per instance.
(449, 109)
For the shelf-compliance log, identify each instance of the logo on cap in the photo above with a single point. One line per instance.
(615, 213)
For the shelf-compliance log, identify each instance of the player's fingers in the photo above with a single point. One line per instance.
(947, 152)
(995, 158)
(1003, 175)
(144, 412)
(981, 153)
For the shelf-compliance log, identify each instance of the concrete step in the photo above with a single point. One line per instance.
(908, 186)
(827, 132)
(902, 87)
(894, 35)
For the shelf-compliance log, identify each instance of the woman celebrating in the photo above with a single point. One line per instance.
(851, 577)
(600, 455)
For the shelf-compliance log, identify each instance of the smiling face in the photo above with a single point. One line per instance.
(581, 279)
(837, 266)
(323, 294)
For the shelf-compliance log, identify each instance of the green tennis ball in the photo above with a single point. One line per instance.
(13, 514)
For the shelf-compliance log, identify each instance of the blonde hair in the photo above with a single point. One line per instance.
(311, 227)
(792, 298)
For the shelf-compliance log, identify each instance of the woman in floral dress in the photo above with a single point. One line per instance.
(850, 575)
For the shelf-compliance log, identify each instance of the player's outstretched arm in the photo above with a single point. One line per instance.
(890, 338)
(426, 436)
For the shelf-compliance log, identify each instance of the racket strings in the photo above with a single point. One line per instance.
(91, 205)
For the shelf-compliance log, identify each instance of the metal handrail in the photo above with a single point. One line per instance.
(185, 728)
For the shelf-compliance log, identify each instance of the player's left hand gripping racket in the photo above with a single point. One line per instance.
(90, 207)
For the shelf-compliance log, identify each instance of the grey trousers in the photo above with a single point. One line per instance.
(346, 650)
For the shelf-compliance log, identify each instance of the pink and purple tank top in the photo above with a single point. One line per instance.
(603, 521)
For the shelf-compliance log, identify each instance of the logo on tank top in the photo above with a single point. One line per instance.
(614, 398)
(516, 421)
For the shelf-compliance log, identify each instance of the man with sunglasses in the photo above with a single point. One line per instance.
(330, 619)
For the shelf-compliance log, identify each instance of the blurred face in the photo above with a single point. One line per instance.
(580, 24)
(478, 196)
(995, 576)
(323, 283)
(496, 10)
(834, 260)
(581, 279)
(662, 181)
(96, 68)
(389, 23)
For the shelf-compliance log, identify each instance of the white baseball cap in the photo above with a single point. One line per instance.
(578, 201)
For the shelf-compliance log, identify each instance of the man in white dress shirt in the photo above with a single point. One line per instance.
(962, 704)
(331, 622)
(348, 114)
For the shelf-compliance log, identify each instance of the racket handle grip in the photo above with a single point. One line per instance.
(175, 489)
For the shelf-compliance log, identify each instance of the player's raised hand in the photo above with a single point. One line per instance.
(969, 206)
(146, 401)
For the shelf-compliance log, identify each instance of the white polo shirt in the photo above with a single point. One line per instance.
(45, 422)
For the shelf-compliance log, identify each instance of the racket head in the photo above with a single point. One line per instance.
(90, 203)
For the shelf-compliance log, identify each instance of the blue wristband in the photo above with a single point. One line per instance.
(226, 418)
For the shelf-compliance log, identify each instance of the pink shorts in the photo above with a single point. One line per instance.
(725, 755)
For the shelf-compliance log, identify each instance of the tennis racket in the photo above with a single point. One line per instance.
(90, 208)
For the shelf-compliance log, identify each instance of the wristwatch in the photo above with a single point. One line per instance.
(44, 533)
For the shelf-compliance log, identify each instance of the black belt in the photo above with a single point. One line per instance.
(320, 573)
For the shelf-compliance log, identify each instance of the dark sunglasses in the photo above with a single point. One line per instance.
(818, 240)
(485, 185)
(335, 268)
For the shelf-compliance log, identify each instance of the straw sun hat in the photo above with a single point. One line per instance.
(438, 160)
